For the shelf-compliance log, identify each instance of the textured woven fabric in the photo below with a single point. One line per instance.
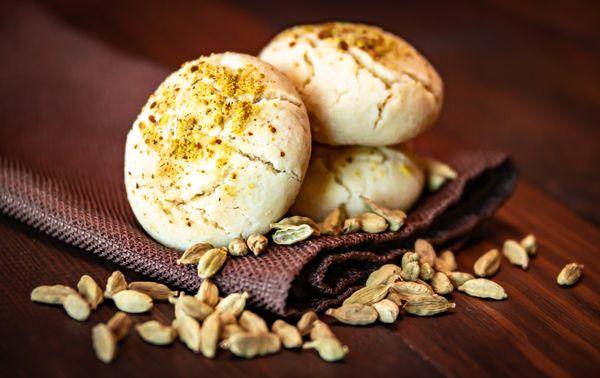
(67, 104)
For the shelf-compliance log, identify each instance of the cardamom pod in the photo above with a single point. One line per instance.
(257, 243)
(252, 323)
(320, 330)
(459, 278)
(425, 251)
(248, 345)
(441, 284)
(351, 225)
(90, 291)
(77, 307)
(211, 262)
(409, 257)
(292, 234)
(209, 339)
(354, 314)
(488, 264)
(54, 294)
(395, 218)
(446, 262)
(192, 306)
(372, 223)
(287, 333)
(387, 311)
(368, 295)
(228, 330)
(237, 247)
(386, 274)
(426, 272)
(156, 291)
(115, 283)
(394, 297)
(411, 271)
(483, 288)
(104, 343)
(516, 254)
(305, 324)
(427, 305)
(407, 289)
(119, 325)
(233, 304)
(154, 332)
(438, 173)
(329, 349)
(570, 274)
(295, 221)
(529, 244)
(189, 332)
(193, 254)
(334, 221)
(132, 301)
(208, 293)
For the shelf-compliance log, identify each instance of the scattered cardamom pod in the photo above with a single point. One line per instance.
(248, 345)
(77, 307)
(305, 324)
(570, 274)
(233, 304)
(208, 293)
(154, 290)
(104, 343)
(426, 272)
(192, 306)
(189, 332)
(257, 243)
(386, 274)
(329, 349)
(209, 339)
(354, 314)
(295, 221)
(408, 289)
(411, 271)
(211, 262)
(292, 234)
(119, 325)
(193, 254)
(320, 330)
(488, 264)
(252, 323)
(368, 295)
(441, 284)
(459, 278)
(51, 294)
(529, 244)
(132, 301)
(427, 305)
(228, 330)
(409, 257)
(438, 173)
(287, 333)
(387, 311)
(115, 283)
(334, 221)
(483, 288)
(90, 291)
(394, 297)
(446, 262)
(395, 218)
(154, 332)
(351, 225)
(425, 251)
(516, 254)
(372, 223)
(237, 247)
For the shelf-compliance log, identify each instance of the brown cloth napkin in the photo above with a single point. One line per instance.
(66, 105)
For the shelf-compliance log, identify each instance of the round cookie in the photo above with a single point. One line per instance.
(360, 84)
(340, 175)
(218, 151)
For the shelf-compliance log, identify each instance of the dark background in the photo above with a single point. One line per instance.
(522, 76)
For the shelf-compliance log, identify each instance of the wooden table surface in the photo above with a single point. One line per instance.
(519, 77)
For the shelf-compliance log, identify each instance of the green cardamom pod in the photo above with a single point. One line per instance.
(483, 288)
(427, 305)
(211, 262)
(368, 295)
(292, 234)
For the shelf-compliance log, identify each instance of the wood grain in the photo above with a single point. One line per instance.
(504, 67)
